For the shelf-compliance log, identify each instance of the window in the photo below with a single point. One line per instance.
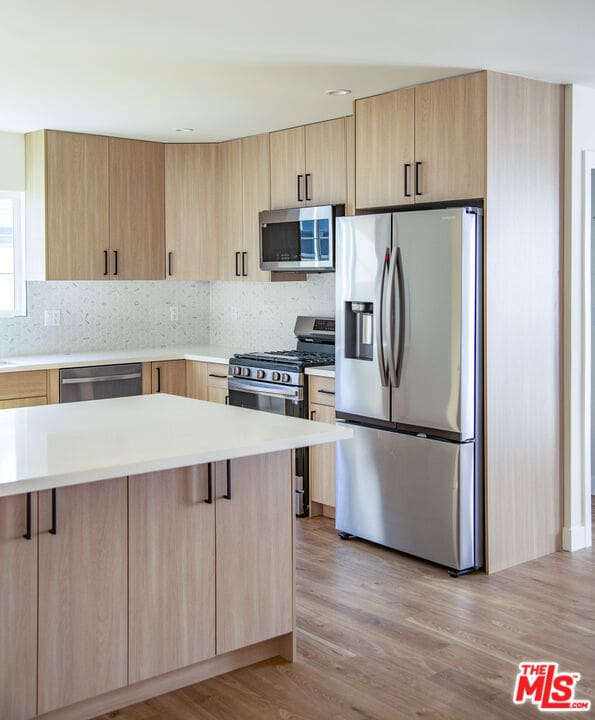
(12, 255)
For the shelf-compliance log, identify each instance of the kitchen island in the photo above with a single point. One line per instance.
(146, 543)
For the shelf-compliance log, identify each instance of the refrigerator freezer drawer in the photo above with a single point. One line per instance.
(409, 493)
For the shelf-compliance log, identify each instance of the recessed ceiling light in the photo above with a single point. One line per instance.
(184, 129)
(339, 91)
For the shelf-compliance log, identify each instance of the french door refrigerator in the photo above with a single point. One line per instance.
(408, 380)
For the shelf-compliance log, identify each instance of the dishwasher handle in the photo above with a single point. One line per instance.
(99, 378)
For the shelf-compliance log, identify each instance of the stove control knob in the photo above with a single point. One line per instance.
(246, 372)
(286, 377)
(237, 370)
(260, 374)
(276, 376)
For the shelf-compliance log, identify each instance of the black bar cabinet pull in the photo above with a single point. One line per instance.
(54, 527)
(227, 399)
(27, 535)
(218, 375)
(417, 180)
(169, 263)
(308, 177)
(312, 414)
(406, 169)
(158, 379)
(299, 188)
(209, 499)
(244, 264)
(105, 262)
(238, 264)
(115, 262)
(322, 391)
(227, 496)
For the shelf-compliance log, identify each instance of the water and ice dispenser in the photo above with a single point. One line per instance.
(359, 330)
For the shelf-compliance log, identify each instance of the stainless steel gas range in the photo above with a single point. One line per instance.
(276, 382)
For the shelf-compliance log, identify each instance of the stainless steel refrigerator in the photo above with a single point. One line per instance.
(409, 381)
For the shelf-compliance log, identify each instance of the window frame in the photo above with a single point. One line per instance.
(20, 285)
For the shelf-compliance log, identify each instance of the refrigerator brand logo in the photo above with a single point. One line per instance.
(547, 688)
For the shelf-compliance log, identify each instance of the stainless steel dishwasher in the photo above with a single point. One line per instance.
(100, 382)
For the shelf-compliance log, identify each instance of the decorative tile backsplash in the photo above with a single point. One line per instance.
(121, 315)
(108, 316)
(261, 316)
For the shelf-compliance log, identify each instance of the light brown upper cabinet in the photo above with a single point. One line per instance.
(137, 209)
(191, 212)
(256, 196)
(67, 202)
(422, 144)
(229, 186)
(309, 165)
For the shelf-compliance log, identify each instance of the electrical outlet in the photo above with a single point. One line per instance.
(52, 317)
(173, 313)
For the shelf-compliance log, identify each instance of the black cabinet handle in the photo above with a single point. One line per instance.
(169, 263)
(406, 169)
(244, 264)
(308, 177)
(227, 496)
(54, 528)
(417, 178)
(158, 380)
(217, 375)
(227, 399)
(326, 392)
(209, 499)
(299, 188)
(312, 414)
(105, 262)
(27, 534)
(115, 262)
(238, 273)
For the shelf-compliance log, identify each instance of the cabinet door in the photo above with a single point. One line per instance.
(230, 245)
(218, 395)
(22, 402)
(172, 571)
(384, 149)
(83, 593)
(18, 609)
(77, 206)
(196, 379)
(256, 196)
(254, 541)
(288, 158)
(450, 128)
(137, 209)
(326, 163)
(322, 461)
(169, 377)
(191, 217)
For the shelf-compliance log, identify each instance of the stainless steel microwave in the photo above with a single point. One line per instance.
(299, 239)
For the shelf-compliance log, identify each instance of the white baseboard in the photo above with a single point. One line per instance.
(576, 538)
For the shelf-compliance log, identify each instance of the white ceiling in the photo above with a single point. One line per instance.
(140, 68)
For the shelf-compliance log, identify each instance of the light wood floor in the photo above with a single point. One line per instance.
(384, 636)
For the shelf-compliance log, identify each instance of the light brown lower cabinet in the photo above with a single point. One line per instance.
(83, 592)
(169, 377)
(254, 550)
(322, 463)
(172, 571)
(18, 609)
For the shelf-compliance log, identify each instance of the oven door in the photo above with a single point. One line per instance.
(281, 401)
(297, 239)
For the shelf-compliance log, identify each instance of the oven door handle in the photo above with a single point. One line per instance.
(256, 388)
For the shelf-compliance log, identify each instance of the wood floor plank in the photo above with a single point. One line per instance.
(383, 636)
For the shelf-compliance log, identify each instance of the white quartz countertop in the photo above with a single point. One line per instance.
(203, 353)
(57, 445)
(324, 371)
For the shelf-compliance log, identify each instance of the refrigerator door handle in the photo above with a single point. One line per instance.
(396, 272)
(382, 368)
(390, 301)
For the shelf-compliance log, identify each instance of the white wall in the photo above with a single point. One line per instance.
(12, 161)
(580, 137)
